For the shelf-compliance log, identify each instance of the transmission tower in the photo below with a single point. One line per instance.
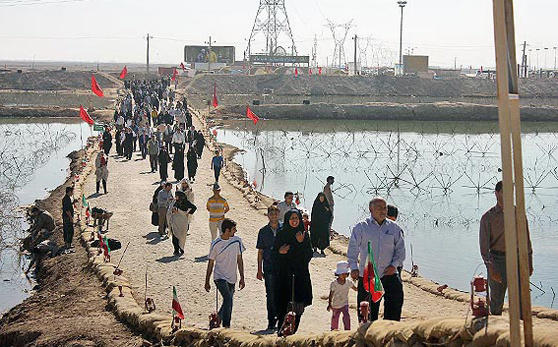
(273, 21)
(339, 41)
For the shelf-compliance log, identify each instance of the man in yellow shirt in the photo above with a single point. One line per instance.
(154, 116)
(217, 207)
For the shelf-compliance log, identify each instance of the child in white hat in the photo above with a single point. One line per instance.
(339, 296)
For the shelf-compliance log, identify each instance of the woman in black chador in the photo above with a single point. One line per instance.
(319, 224)
(192, 157)
(164, 160)
(178, 164)
(292, 253)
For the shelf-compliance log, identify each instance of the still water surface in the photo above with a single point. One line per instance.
(441, 176)
(39, 148)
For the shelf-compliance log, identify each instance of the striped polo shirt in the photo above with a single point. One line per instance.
(216, 207)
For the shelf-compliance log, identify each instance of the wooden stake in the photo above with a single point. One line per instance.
(502, 64)
(522, 234)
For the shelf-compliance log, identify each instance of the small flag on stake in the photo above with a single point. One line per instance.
(176, 308)
(371, 278)
(174, 74)
(215, 102)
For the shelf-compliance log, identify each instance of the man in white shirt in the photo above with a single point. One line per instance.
(225, 254)
(179, 140)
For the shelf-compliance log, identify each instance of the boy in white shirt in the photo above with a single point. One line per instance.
(339, 296)
(225, 254)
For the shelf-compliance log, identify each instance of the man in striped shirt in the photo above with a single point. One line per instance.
(217, 207)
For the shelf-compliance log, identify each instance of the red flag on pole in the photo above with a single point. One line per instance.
(174, 74)
(310, 71)
(95, 87)
(251, 114)
(296, 71)
(215, 102)
(124, 73)
(85, 116)
(319, 71)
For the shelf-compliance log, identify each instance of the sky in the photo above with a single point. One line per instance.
(448, 31)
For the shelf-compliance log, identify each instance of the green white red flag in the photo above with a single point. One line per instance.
(176, 308)
(371, 278)
(215, 101)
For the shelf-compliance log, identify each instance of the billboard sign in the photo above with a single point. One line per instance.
(200, 54)
(280, 59)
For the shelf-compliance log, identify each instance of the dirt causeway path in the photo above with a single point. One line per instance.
(130, 188)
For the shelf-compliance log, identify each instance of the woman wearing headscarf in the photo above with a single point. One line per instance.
(292, 253)
(187, 189)
(192, 157)
(319, 224)
(164, 160)
(178, 217)
(178, 164)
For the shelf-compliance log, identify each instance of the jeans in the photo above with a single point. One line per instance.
(271, 312)
(336, 312)
(217, 171)
(393, 299)
(227, 292)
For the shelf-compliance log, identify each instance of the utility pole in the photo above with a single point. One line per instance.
(524, 60)
(555, 48)
(209, 54)
(355, 60)
(545, 52)
(455, 63)
(147, 64)
(402, 6)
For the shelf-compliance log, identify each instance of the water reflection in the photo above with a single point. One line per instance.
(440, 175)
(32, 155)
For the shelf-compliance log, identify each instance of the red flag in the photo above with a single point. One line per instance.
(296, 71)
(310, 71)
(215, 102)
(182, 66)
(85, 116)
(319, 71)
(95, 87)
(251, 114)
(174, 73)
(214, 132)
(124, 73)
(176, 308)
(371, 279)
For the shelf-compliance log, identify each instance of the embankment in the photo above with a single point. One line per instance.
(439, 111)
(67, 308)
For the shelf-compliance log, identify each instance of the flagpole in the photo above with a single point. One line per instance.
(81, 134)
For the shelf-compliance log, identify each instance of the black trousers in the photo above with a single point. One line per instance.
(393, 299)
(176, 245)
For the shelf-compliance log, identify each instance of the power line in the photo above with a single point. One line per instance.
(13, 3)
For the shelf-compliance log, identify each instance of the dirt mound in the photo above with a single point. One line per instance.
(364, 86)
(52, 80)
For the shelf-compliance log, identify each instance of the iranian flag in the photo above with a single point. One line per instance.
(176, 309)
(371, 278)
(105, 241)
(86, 206)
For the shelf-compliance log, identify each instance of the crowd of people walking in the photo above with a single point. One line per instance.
(149, 119)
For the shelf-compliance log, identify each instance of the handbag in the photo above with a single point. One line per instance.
(153, 207)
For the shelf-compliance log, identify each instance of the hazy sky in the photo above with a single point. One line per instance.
(114, 30)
